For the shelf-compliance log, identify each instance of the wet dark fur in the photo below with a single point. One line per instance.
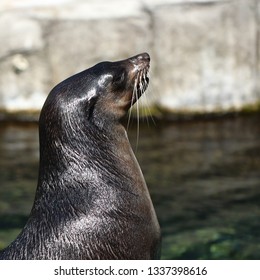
(91, 200)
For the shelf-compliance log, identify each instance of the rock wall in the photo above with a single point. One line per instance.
(205, 54)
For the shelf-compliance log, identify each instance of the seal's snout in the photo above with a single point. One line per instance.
(142, 59)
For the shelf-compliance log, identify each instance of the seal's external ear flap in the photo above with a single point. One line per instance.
(91, 94)
(90, 105)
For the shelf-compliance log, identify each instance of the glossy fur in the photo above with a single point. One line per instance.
(91, 201)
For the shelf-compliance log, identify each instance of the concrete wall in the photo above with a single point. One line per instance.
(205, 54)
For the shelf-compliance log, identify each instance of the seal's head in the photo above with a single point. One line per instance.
(103, 92)
(122, 83)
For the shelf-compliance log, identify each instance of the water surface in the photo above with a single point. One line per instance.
(203, 176)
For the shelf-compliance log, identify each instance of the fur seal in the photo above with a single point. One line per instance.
(91, 201)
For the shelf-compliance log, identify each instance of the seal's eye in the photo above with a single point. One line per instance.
(118, 79)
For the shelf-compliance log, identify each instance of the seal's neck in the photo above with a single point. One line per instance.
(86, 154)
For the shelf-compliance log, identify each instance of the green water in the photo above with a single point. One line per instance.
(203, 176)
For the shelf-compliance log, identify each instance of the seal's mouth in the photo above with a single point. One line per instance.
(141, 66)
(141, 82)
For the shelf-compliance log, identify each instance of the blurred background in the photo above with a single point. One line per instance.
(201, 154)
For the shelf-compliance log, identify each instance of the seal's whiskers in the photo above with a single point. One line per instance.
(137, 110)
(147, 111)
(132, 103)
(140, 86)
(146, 108)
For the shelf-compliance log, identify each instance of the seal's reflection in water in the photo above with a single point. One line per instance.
(203, 178)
